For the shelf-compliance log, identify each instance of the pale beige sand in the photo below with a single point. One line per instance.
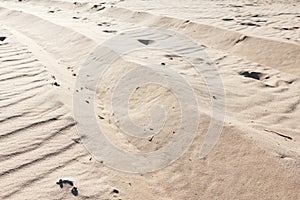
(39, 143)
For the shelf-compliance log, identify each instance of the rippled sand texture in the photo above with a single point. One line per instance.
(255, 46)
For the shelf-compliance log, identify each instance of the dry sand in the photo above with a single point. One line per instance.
(258, 153)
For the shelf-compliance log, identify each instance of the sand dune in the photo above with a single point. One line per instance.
(254, 46)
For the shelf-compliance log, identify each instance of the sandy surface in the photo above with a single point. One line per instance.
(255, 46)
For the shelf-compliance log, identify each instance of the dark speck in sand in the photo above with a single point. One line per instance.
(74, 191)
(100, 117)
(109, 31)
(227, 19)
(249, 24)
(115, 191)
(145, 42)
(62, 182)
(56, 84)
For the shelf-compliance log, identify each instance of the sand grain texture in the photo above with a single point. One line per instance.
(256, 48)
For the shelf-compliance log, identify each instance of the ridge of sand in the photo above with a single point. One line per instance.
(284, 56)
(278, 54)
(39, 142)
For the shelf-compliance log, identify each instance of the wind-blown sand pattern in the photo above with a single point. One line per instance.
(255, 46)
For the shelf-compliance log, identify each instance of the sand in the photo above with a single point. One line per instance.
(253, 45)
